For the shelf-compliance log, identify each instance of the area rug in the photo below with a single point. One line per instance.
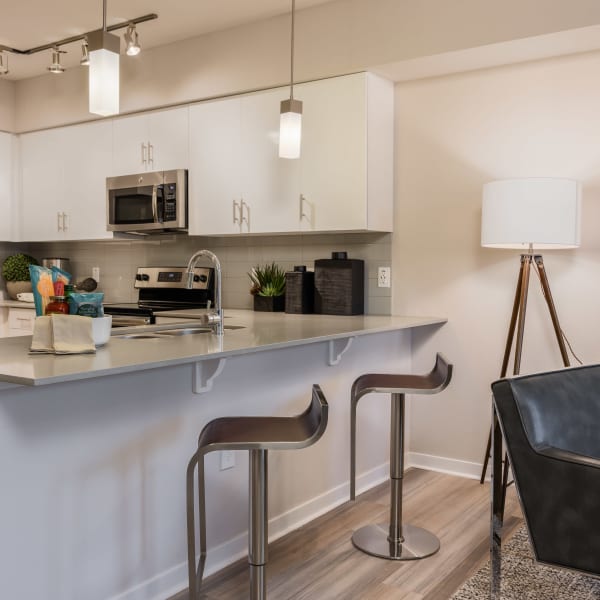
(524, 579)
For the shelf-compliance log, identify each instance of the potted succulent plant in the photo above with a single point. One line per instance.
(268, 287)
(15, 270)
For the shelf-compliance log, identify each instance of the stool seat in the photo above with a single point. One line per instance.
(395, 541)
(258, 435)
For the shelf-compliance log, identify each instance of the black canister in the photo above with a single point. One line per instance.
(339, 285)
(299, 291)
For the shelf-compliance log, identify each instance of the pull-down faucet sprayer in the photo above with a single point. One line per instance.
(216, 317)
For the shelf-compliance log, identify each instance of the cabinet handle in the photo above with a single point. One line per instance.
(301, 213)
(58, 223)
(144, 153)
(65, 222)
(242, 217)
(150, 153)
(236, 208)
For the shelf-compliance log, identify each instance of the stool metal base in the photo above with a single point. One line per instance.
(418, 543)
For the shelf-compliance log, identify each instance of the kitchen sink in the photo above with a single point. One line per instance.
(168, 333)
(194, 330)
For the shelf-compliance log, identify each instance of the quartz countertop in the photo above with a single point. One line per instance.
(258, 332)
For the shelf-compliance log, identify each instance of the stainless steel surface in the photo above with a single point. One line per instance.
(396, 466)
(153, 179)
(172, 277)
(61, 263)
(417, 543)
(396, 540)
(218, 310)
(257, 435)
(129, 321)
(258, 523)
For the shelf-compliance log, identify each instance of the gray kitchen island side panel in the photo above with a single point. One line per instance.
(94, 470)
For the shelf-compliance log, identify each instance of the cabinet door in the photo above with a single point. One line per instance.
(333, 161)
(130, 145)
(168, 136)
(41, 185)
(215, 187)
(8, 203)
(270, 184)
(87, 163)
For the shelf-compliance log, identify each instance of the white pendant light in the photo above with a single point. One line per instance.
(104, 70)
(290, 121)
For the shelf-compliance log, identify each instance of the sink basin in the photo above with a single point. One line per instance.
(194, 330)
(168, 333)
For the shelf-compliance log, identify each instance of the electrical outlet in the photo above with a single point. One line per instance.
(96, 273)
(384, 277)
(227, 459)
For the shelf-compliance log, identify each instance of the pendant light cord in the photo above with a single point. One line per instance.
(291, 53)
(104, 15)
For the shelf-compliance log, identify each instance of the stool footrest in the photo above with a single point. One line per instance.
(417, 542)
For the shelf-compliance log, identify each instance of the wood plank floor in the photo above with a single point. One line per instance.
(318, 561)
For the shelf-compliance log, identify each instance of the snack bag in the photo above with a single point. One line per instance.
(43, 288)
(59, 276)
(87, 305)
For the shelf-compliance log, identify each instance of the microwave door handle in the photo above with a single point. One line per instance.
(154, 203)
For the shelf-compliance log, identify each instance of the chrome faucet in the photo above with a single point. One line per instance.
(216, 317)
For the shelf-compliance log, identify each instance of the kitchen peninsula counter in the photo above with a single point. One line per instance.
(258, 332)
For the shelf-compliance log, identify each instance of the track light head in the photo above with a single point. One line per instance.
(56, 67)
(85, 55)
(3, 63)
(131, 40)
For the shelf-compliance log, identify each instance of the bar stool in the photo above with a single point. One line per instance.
(258, 435)
(396, 541)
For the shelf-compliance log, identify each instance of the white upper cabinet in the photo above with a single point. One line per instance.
(155, 141)
(215, 187)
(343, 180)
(63, 182)
(8, 187)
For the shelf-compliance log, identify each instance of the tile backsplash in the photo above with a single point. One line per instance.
(119, 259)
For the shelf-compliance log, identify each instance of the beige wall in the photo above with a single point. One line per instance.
(334, 38)
(453, 134)
(7, 105)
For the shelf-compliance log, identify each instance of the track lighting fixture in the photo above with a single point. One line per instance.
(290, 121)
(3, 63)
(85, 55)
(55, 66)
(131, 40)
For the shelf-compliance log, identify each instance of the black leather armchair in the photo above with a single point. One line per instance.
(551, 426)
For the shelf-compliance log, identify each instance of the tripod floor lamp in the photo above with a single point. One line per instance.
(528, 214)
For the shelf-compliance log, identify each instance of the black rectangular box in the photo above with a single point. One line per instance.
(339, 286)
(299, 291)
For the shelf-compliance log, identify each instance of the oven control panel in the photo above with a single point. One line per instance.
(172, 277)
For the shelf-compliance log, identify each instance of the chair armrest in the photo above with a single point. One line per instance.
(568, 456)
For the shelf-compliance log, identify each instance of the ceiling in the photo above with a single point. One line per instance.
(30, 23)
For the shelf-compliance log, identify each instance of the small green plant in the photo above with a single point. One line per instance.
(267, 280)
(16, 267)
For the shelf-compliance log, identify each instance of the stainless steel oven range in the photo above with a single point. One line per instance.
(163, 289)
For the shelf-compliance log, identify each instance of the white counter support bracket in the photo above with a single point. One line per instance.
(337, 349)
(205, 372)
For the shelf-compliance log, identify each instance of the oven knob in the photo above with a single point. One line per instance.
(197, 278)
(138, 277)
(145, 277)
(203, 278)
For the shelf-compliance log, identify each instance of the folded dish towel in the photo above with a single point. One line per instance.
(62, 334)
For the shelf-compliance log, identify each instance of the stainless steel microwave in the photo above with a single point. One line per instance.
(147, 203)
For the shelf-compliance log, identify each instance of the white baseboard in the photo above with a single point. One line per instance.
(173, 580)
(452, 466)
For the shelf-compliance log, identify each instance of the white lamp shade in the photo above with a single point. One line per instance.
(542, 213)
(104, 82)
(290, 134)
